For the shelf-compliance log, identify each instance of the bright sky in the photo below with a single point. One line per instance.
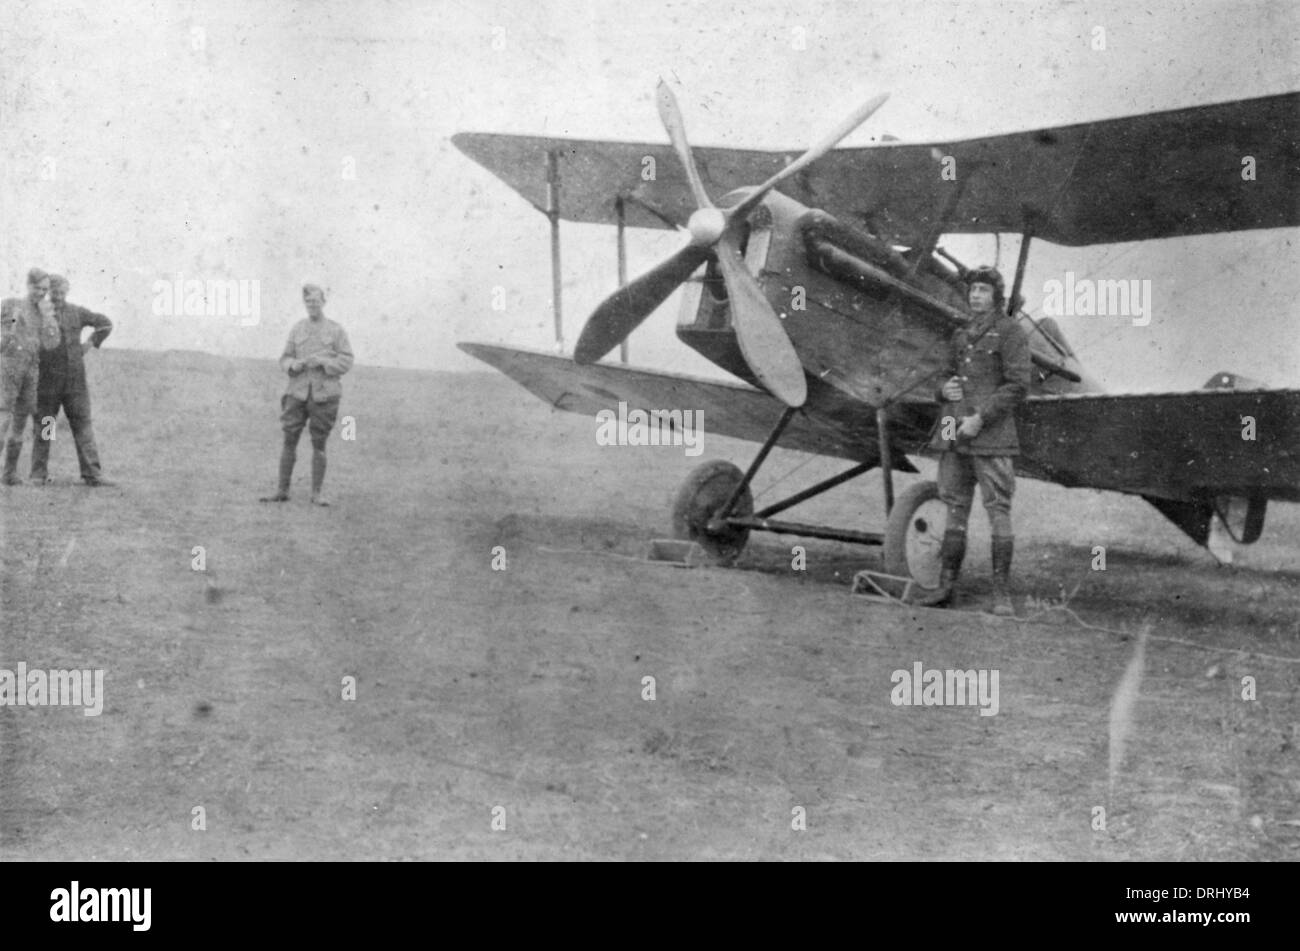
(283, 143)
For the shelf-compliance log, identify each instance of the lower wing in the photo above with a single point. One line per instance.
(846, 430)
(1192, 455)
(1167, 445)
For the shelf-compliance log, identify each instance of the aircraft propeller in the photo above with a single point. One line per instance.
(714, 232)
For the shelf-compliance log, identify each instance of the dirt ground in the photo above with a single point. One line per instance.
(523, 688)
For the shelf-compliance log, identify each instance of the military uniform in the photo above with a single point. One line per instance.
(990, 357)
(20, 341)
(63, 385)
(312, 398)
(314, 393)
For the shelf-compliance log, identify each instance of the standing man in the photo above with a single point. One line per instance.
(63, 384)
(315, 356)
(21, 323)
(989, 376)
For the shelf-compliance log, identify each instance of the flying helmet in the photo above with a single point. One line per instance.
(991, 276)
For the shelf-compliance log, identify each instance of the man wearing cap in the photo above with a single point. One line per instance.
(22, 321)
(316, 354)
(63, 385)
(988, 376)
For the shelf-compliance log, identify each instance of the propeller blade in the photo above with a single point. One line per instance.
(763, 341)
(623, 311)
(860, 115)
(671, 116)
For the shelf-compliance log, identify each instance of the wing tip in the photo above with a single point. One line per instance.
(465, 142)
(479, 351)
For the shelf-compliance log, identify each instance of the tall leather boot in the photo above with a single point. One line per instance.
(13, 449)
(317, 476)
(951, 554)
(1003, 547)
(40, 455)
(288, 455)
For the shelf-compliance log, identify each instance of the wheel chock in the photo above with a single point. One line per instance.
(882, 587)
(677, 551)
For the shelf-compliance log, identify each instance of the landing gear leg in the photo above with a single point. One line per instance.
(717, 491)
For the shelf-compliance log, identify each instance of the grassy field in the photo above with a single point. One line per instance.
(517, 694)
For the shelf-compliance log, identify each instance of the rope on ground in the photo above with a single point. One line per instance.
(598, 554)
(1053, 609)
(1064, 608)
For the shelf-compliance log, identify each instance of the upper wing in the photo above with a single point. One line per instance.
(593, 175)
(728, 409)
(1172, 446)
(1159, 175)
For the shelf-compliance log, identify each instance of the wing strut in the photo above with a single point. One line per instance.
(927, 247)
(1022, 259)
(886, 456)
(553, 213)
(622, 265)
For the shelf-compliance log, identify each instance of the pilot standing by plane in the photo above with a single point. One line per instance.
(990, 373)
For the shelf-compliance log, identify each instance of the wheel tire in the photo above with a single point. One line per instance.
(705, 491)
(914, 535)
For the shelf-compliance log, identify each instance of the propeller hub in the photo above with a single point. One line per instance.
(706, 226)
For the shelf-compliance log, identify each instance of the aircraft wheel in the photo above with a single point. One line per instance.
(914, 535)
(705, 491)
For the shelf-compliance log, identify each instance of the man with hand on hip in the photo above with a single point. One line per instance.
(63, 385)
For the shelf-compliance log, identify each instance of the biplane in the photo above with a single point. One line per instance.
(821, 285)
